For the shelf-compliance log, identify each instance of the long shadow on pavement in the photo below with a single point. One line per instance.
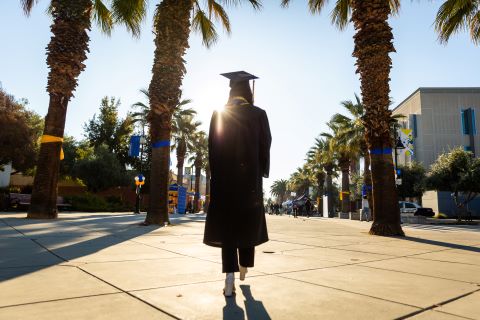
(441, 244)
(24, 253)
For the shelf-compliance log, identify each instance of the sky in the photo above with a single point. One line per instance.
(304, 64)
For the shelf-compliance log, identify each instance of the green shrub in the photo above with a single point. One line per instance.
(89, 202)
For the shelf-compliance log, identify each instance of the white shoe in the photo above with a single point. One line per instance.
(229, 289)
(243, 271)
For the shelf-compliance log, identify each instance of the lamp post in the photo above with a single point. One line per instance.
(398, 146)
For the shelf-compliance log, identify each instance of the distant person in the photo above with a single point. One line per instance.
(295, 210)
(239, 156)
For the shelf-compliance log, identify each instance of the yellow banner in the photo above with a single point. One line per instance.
(48, 139)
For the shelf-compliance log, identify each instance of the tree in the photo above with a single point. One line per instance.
(458, 172)
(457, 15)
(279, 190)
(199, 157)
(107, 129)
(101, 170)
(300, 180)
(344, 152)
(372, 46)
(413, 180)
(66, 54)
(184, 132)
(323, 157)
(353, 133)
(174, 20)
(21, 130)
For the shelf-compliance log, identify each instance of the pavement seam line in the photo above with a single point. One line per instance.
(417, 274)
(432, 307)
(351, 292)
(3, 220)
(131, 295)
(48, 250)
(60, 299)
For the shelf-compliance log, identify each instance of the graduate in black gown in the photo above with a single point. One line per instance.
(239, 155)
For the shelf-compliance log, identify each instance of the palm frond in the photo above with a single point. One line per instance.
(27, 6)
(102, 16)
(130, 13)
(452, 17)
(219, 14)
(205, 26)
(316, 6)
(340, 15)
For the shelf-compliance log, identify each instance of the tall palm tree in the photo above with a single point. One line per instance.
(324, 157)
(457, 15)
(198, 158)
(316, 161)
(66, 54)
(344, 153)
(184, 131)
(373, 44)
(279, 190)
(174, 20)
(301, 180)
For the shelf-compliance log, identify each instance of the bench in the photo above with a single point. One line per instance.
(21, 201)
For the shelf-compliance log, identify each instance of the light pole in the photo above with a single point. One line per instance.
(139, 179)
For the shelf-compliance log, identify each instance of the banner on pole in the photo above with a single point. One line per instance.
(406, 138)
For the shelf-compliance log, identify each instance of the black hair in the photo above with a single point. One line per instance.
(241, 89)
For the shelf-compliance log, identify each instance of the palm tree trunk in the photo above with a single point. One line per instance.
(66, 53)
(207, 188)
(320, 191)
(345, 167)
(172, 29)
(367, 178)
(373, 43)
(196, 198)
(330, 193)
(181, 151)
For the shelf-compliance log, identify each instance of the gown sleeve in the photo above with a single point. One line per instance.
(265, 142)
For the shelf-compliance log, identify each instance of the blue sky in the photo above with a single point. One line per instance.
(305, 67)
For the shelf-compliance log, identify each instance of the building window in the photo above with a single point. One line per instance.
(467, 117)
(467, 148)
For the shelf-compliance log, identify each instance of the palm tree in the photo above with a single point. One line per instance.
(199, 156)
(373, 44)
(315, 160)
(174, 20)
(66, 54)
(184, 130)
(141, 116)
(454, 16)
(279, 190)
(343, 153)
(324, 157)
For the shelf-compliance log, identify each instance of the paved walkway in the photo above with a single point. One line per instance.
(105, 266)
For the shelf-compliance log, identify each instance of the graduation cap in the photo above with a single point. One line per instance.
(240, 76)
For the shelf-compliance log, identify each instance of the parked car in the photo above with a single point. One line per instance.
(416, 209)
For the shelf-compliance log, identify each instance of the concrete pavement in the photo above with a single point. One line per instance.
(105, 266)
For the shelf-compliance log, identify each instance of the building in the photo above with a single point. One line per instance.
(440, 119)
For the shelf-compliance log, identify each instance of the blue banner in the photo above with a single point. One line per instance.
(134, 148)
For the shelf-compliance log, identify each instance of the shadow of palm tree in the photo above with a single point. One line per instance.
(39, 244)
(442, 244)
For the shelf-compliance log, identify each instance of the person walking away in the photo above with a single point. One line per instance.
(239, 156)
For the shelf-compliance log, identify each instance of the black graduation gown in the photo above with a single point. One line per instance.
(239, 154)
